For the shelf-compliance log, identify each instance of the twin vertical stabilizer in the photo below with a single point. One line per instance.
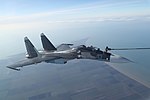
(47, 45)
(31, 50)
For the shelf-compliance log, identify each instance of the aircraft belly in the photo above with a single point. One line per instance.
(69, 56)
(57, 61)
(87, 55)
(61, 55)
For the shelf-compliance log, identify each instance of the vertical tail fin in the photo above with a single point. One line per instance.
(47, 45)
(31, 50)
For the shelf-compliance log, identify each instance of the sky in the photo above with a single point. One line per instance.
(20, 18)
(52, 11)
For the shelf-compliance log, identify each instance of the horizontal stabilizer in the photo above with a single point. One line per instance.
(47, 45)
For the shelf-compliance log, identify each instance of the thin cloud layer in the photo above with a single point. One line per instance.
(93, 12)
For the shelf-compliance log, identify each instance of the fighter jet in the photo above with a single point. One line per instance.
(58, 55)
(65, 52)
(49, 55)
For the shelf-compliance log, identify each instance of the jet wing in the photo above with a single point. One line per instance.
(22, 63)
(73, 44)
(63, 47)
(80, 42)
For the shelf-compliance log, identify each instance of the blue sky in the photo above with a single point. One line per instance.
(27, 7)
(22, 7)
(19, 18)
(17, 14)
(20, 11)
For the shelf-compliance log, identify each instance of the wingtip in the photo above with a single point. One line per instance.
(13, 68)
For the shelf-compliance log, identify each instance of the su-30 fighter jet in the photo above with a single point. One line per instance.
(65, 52)
(50, 54)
